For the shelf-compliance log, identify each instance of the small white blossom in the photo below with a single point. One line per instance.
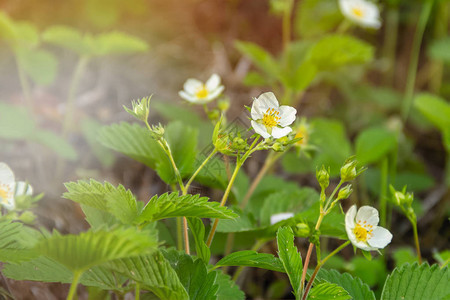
(198, 92)
(362, 229)
(9, 188)
(362, 12)
(271, 119)
(280, 217)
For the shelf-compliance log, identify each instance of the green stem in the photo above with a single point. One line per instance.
(416, 241)
(179, 233)
(222, 203)
(332, 195)
(137, 292)
(81, 65)
(73, 286)
(25, 85)
(258, 244)
(186, 187)
(343, 27)
(319, 265)
(414, 59)
(383, 188)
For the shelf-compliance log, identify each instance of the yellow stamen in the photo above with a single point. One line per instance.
(358, 12)
(202, 93)
(4, 193)
(361, 233)
(271, 118)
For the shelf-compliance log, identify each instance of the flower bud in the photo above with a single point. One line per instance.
(214, 114)
(323, 177)
(278, 147)
(301, 230)
(223, 104)
(349, 171)
(140, 109)
(345, 192)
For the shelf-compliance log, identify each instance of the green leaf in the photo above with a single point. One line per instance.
(301, 78)
(171, 205)
(403, 256)
(18, 34)
(88, 249)
(435, 109)
(56, 143)
(193, 274)
(90, 128)
(317, 17)
(154, 272)
(228, 290)
(373, 144)
(119, 43)
(47, 270)
(250, 258)
(244, 222)
(15, 241)
(122, 204)
(326, 290)
(290, 258)
(417, 282)
(336, 51)
(39, 64)
(69, 38)
(440, 49)
(260, 57)
(198, 231)
(355, 287)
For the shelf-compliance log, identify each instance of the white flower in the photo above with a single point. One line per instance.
(362, 12)
(270, 119)
(198, 92)
(363, 231)
(9, 188)
(280, 217)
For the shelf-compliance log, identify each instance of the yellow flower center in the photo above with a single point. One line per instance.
(202, 93)
(358, 12)
(302, 132)
(362, 232)
(4, 193)
(270, 118)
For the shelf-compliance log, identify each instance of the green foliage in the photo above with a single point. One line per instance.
(326, 290)
(355, 287)
(373, 144)
(435, 109)
(88, 249)
(250, 258)
(171, 205)
(336, 51)
(316, 17)
(403, 256)
(90, 45)
(198, 231)
(260, 57)
(439, 50)
(377, 267)
(154, 272)
(90, 128)
(136, 142)
(15, 242)
(193, 275)
(227, 288)
(417, 282)
(17, 124)
(290, 258)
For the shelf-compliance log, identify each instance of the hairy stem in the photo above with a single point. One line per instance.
(319, 265)
(186, 187)
(416, 241)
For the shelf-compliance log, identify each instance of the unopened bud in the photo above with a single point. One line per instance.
(345, 192)
(223, 104)
(140, 109)
(323, 177)
(278, 147)
(349, 171)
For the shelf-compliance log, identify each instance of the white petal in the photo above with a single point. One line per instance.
(213, 82)
(268, 100)
(350, 218)
(380, 238)
(192, 85)
(256, 112)
(367, 214)
(188, 97)
(215, 93)
(287, 114)
(9, 203)
(23, 188)
(280, 217)
(260, 129)
(6, 175)
(278, 132)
